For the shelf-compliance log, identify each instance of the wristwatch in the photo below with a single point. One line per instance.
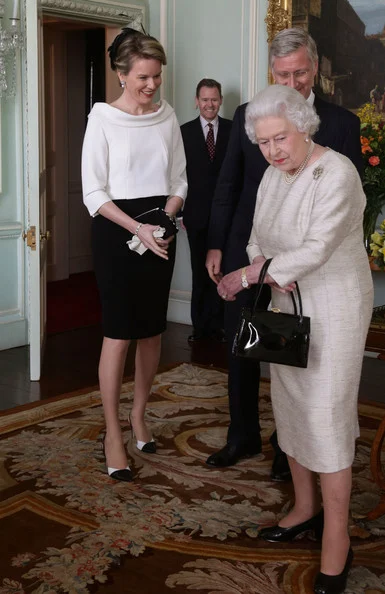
(244, 281)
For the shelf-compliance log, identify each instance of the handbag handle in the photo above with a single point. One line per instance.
(261, 279)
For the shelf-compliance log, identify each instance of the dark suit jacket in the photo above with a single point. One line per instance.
(243, 167)
(202, 174)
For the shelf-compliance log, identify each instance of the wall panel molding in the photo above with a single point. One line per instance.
(242, 56)
(173, 53)
(253, 35)
(10, 229)
(10, 315)
(163, 38)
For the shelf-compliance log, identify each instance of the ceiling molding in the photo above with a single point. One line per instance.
(96, 11)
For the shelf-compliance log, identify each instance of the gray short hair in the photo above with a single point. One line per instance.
(288, 41)
(281, 101)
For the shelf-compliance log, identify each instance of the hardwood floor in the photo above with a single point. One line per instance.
(71, 362)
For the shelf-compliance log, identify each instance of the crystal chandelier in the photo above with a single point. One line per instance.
(11, 41)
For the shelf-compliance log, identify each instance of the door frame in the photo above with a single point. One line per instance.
(109, 13)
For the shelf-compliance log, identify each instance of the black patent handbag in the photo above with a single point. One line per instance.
(273, 336)
(157, 216)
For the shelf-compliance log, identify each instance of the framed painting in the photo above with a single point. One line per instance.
(350, 37)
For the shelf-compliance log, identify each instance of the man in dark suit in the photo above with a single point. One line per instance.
(205, 141)
(293, 61)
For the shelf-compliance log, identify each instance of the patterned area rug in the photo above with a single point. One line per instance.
(180, 526)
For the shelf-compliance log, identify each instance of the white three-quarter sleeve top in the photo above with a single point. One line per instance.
(127, 157)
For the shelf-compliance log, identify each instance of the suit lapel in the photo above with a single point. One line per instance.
(219, 145)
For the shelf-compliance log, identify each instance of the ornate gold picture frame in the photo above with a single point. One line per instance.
(279, 16)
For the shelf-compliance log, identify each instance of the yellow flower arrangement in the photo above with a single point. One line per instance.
(377, 247)
(373, 151)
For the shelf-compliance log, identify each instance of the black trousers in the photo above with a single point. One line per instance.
(206, 305)
(243, 377)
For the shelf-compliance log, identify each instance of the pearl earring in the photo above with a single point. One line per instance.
(306, 140)
(122, 84)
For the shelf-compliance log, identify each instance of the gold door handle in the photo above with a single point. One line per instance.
(45, 236)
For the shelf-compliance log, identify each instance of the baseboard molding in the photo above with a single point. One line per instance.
(179, 307)
(13, 334)
(372, 354)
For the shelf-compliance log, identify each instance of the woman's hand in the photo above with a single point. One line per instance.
(173, 206)
(145, 234)
(164, 243)
(230, 285)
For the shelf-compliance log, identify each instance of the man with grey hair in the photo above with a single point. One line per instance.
(293, 61)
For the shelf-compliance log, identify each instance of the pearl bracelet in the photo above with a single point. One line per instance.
(137, 229)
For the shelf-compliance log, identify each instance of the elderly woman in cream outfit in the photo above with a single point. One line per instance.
(308, 218)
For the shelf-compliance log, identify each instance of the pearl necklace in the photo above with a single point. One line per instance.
(290, 179)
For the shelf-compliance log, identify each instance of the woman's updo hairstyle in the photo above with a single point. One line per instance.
(131, 45)
(281, 101)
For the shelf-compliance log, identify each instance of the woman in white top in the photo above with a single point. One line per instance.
(308, 219)
(133, 161)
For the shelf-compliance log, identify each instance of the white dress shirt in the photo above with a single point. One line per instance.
(311, 98)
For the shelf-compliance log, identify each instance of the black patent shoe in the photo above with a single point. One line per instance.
(280, 534)
(334, 584)
(119, 474)
(230, 454)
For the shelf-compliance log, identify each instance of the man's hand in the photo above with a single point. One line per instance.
(213, 265)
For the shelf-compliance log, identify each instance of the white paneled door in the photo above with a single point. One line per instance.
(35, 186)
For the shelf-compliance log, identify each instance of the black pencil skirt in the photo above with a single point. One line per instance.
(134, 289)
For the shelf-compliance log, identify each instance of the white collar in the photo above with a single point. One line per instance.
(311, 98)
(205, 123)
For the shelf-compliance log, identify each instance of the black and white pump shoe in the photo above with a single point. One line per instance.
(148, 447)
(119, 474)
